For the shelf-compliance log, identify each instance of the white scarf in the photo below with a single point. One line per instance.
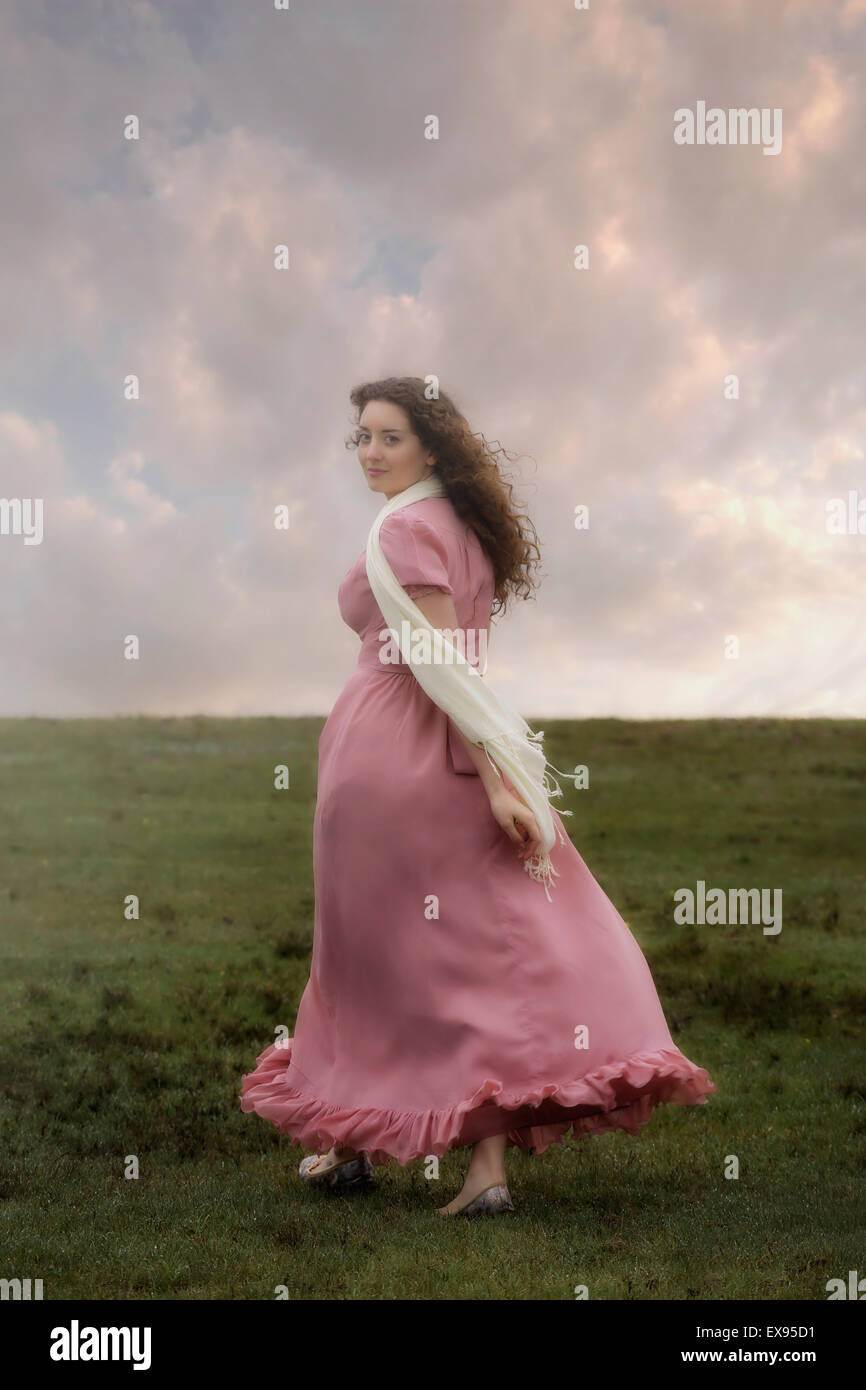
(452, 683)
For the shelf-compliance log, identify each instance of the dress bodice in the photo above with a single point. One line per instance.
(428, 547)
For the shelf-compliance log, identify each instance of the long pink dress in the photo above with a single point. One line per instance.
(418, 1032)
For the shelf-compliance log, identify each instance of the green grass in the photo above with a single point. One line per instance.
(130, 1037)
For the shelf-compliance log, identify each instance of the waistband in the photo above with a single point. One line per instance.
(391, 668)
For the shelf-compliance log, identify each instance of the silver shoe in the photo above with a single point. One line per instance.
(493, 1201)
(357, 1173)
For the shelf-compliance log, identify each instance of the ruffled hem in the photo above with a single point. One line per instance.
(620, 1095)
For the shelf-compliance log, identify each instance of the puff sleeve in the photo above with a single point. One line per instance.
(416, 553)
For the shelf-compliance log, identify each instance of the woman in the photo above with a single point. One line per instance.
(451, 1002)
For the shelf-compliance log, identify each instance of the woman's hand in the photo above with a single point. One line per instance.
(517, 821)
(509, 811)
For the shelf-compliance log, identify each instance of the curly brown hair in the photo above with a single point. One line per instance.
(467, 467)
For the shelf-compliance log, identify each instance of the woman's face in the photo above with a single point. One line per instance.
(390, 453)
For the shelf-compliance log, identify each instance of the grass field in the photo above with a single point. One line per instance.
(130, 1037)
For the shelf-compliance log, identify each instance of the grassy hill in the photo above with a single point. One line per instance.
(126, 1037)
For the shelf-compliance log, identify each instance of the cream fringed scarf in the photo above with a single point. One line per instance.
(451, 682)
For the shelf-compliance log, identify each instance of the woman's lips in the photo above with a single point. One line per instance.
(374, 472)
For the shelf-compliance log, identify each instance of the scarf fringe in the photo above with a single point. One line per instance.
(540, 868)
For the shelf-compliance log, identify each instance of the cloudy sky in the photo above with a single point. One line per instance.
(699, 385)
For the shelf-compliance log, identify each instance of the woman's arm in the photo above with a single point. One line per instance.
(510, 812)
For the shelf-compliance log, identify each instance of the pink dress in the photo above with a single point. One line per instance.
(447, 998)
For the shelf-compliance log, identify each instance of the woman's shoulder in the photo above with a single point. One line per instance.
(433, 525)
(430, 516)
(433, 511)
